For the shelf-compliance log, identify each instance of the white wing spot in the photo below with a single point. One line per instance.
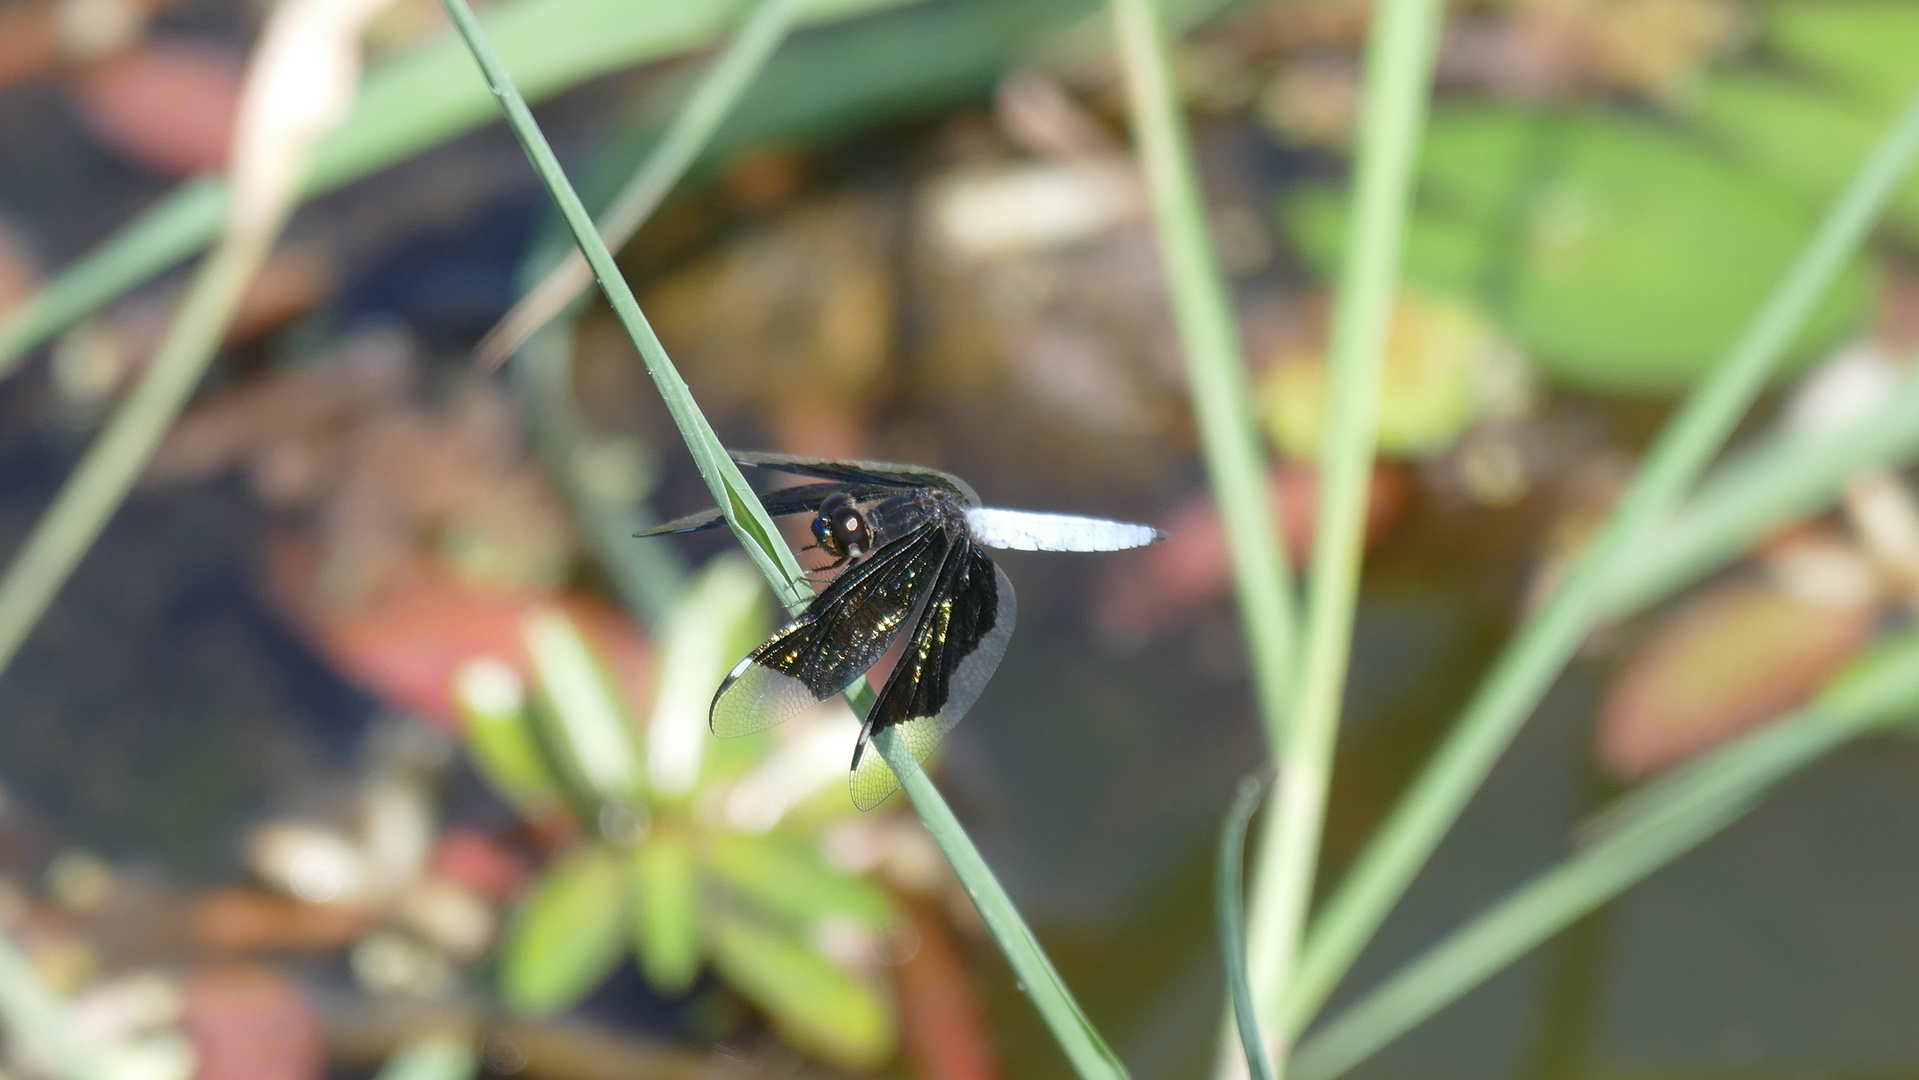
(1021, 530)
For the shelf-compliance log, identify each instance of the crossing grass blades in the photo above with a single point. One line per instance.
(908, 547)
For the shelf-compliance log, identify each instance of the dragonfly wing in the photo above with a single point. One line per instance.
(1023, 530)
(956, 645)
(884, 473)
(842, 633)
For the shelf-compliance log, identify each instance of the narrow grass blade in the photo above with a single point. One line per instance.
(1786, 476)
(1399, 67)
(1088, 1052)
(1215, 365)
(1534, 659)
(692, 128)
(1650, 829)
(417, 100)
(35, 1018)
(1220, 391)
(111, 465)
(1230, 915)
(730, 489)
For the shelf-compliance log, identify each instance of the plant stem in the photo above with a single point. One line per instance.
(1399, 64)
(1535, 658)
(1785, 476)
(1230, 914)
(115, 460)
(1221, 393)
(720, 86)
(757, 533)
(1653, 827)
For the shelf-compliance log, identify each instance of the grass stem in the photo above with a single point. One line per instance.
(1399, 65)
(1543, 646)
(1648, 830)
(1082, 1044)
(719, 88)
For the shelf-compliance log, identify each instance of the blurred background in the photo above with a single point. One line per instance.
(285, 778)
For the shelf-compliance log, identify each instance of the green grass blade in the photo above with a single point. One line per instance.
(1230, 916)
(1215, 366)
(1788, 475)
(419, 99)
(1220, 390)
(720, 87)
(1534, 659)
(115, 460)
(1650, 829)
(1088, 1052)
(1399, 67)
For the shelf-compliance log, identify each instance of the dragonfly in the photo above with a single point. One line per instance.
(907, 546)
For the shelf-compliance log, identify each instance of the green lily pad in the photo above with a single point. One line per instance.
(568, 934)
(816, 1005)
(666, 910)
(499, 735)
(1864, 46)
(1810, 127)
(1623, 257)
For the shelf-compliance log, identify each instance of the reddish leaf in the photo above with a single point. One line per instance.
(168, 105)
(1723, 664)
(252, 1023)
(939, 1014)
(405, 644)
(481, 863)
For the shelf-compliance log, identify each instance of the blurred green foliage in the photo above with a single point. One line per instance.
(1622, 255)
(1847, 68)
(664, 875)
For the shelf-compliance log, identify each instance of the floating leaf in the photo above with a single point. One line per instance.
(1734, 658)
(666, 910)
(568, 934)
(785, 875)
(582, 718)
(815, 1005)
(1445, 365)
(1622, 257)
(1866, 46)
(499, 735)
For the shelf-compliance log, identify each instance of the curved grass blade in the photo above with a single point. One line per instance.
(720, 86)
(417, 100)
(1090, 1055)
(1645, 831)
(1231, 916)
(1535, 657)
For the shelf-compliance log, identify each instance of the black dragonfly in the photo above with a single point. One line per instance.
(908, 544)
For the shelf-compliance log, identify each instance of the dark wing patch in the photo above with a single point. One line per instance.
(842, 633)
(884, 473)
(957, 643)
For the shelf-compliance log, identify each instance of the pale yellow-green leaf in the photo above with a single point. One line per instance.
(499, 734)
(783, 874)
(568, 934)
(582, 716)
(815, 1005)
(666, 910)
